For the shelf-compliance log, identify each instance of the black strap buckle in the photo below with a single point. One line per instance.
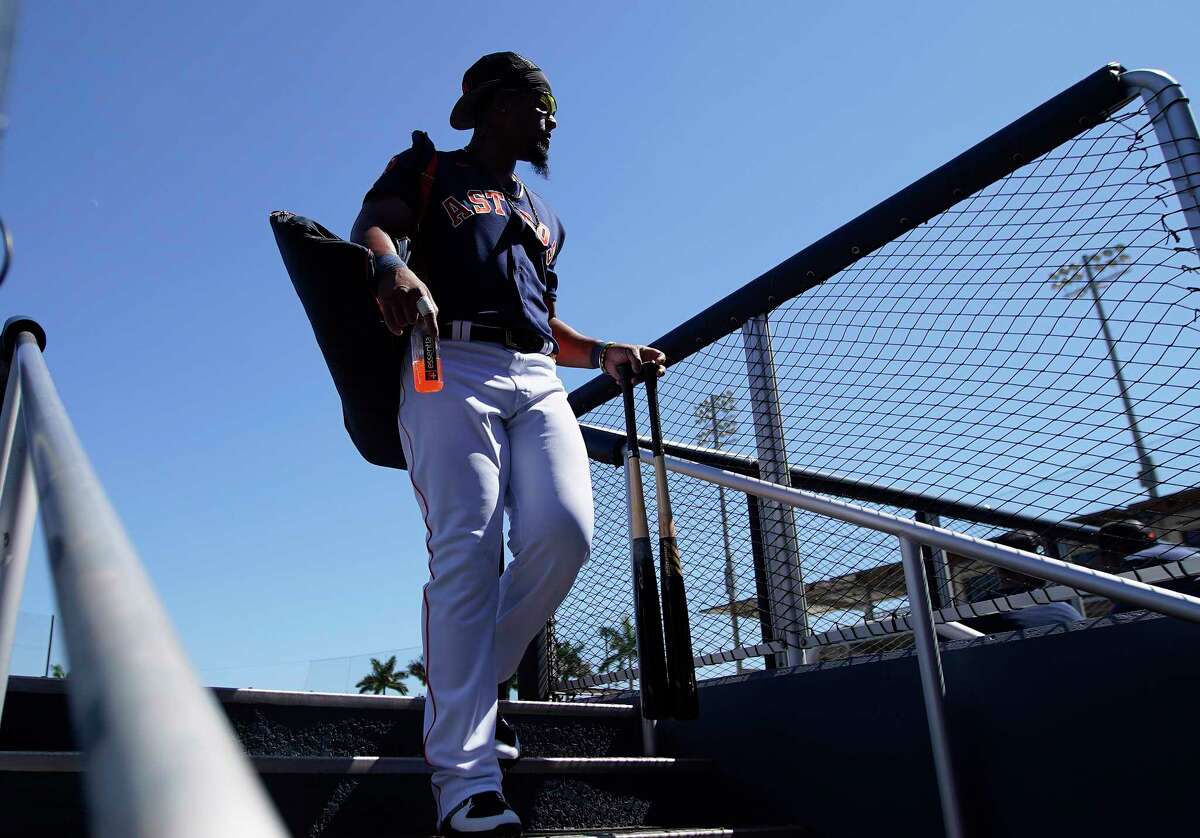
(522, 340)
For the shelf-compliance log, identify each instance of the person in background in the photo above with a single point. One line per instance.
(1130, 545)
(1008, 583)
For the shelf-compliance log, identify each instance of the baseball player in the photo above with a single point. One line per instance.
(499, 436)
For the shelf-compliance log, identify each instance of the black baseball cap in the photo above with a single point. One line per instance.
(1128, 529)
(496, 71)
(1019, 540)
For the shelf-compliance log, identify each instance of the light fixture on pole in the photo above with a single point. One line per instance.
(1090, 276)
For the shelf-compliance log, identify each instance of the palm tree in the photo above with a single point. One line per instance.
(383, 677)
(620, 644)
(57, 671)
(570, 660)
(416, 668)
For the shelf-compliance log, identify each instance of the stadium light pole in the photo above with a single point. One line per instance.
(713, 426)
(1089, 271)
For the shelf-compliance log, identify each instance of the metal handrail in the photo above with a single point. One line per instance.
(1052, 123)
(160, 758)
(606, 445)
(945, 623)
(18, 507)
(1097, 582)
(911, 535)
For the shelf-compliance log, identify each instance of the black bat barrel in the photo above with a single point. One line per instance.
(681, 668)
(656, 701)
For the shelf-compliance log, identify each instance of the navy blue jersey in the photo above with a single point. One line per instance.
(486, 249)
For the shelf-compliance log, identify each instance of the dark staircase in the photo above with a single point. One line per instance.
(346, 765)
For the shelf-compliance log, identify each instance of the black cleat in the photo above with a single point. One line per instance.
(485, 813)
(508, 746)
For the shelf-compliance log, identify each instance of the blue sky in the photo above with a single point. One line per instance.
(699, 144)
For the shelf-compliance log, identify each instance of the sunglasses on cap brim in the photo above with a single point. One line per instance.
(546, 103)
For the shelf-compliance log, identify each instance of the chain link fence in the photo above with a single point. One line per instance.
(1031, 352)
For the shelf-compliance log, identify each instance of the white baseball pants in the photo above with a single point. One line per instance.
(499, 435)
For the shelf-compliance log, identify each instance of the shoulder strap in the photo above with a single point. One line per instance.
(426, 186)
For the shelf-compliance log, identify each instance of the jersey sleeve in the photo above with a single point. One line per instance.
(399, 180)
(552, 261)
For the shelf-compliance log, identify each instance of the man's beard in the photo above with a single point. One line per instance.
(539, 159)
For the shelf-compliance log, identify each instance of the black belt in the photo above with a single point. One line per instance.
(520, 340)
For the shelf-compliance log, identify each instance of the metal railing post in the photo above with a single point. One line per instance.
(785, 582)
(1167, 107)
(933, 685)
(18, 509)
(943, 583)
(762, 599)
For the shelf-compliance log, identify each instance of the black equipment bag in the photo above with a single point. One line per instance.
(331, 277)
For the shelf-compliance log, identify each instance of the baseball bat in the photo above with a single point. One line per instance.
(653, 664)
(681, 668)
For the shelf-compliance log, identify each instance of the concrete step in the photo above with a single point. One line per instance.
(700, 832)
(282, 723)
(343, 766)
(57, 762)
(341, 797)
(672, 832)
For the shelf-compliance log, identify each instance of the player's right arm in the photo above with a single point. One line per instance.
(381, 220)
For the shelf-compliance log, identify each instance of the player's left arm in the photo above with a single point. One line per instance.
(576, 349)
